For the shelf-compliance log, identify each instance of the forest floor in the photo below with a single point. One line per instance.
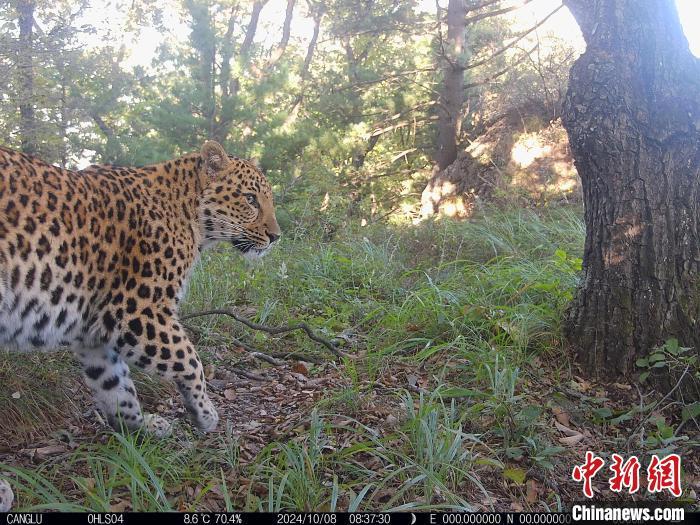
(460, 394)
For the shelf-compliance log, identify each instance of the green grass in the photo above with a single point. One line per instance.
(471, 308)
(447, 281)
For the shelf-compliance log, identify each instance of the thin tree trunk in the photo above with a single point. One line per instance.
(63, 122)
(305, 68)
(203, 40)
(251, 30)
(286, 33)
(230, 86)
(632, 112)
(452, 92)
(25, 65)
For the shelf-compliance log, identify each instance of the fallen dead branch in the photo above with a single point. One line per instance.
(272, 330)
(248, 375)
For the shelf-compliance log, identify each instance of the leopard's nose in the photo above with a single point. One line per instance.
(273, 237)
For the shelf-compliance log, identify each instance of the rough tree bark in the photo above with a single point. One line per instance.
(452, 91)
(25, 66)
(632, 113)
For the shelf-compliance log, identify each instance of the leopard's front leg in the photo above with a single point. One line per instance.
(156, 342)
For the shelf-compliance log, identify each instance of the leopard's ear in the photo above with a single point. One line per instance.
(215, 158)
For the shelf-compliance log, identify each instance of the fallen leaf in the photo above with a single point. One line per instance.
(531, 491)
(120, 505)
(45, 452)
(581, 384)
(561, 415)
(571, 440)
(566, 430)
(16, 395)
(230, 394)
(300, 368)
(572, 436)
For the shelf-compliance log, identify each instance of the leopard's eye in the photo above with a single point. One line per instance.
(251, 199)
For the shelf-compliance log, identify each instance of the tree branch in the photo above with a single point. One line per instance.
(511, 44)
(483, 4)
(272, 330)
(481, 16)
(503, 71)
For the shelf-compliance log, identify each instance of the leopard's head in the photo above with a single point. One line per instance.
(237, 206)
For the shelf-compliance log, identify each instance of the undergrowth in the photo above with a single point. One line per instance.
(474, 307)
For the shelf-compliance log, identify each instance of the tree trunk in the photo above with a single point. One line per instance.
(632, 112)
(452, 92)
(250, 31)
(25, 66)
(203, 40)
(230, 86)
(305, 68)
(286, 33)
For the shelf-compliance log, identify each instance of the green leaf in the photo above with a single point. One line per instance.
(461, 392)
(658, 356)
(514, 452)
(672, 346)
(666, 432)
(643, 362)
(603, 412)
(625, 416)
(690, 411)
(489, 461)
(643, 377)
(516, 475)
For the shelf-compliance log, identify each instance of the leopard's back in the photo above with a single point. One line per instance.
(48, 276)
(72, 246)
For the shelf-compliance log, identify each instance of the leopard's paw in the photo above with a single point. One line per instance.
(207, 419)
(156, 425)
(6, 496)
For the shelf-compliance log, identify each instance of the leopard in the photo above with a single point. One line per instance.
(6, 496)
(97, 261)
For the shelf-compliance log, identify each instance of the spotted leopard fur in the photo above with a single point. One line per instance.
(97, 261)
(6, 496)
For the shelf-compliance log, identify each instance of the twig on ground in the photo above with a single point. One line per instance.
(297, 357)
(272, 359)
(272, 330)
(244, 346)
(267, 358)
(248, 375)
